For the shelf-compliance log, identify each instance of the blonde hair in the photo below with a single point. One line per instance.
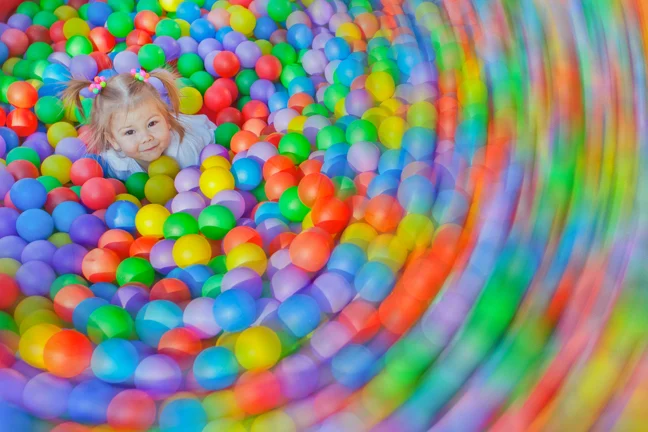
(123, 92)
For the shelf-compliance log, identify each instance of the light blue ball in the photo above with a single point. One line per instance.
(247, 174)
(114, 360)
(66, 213)
(300, 314)
(234, 310)
(215, 368)
(155, 319)
(374, 281)
(34, 224)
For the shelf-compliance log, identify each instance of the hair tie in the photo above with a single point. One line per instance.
(140, 74)
(98, 84)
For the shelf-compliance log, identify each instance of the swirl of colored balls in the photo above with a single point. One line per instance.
(185, 298)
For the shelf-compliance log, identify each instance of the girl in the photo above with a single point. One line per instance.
(131, 125)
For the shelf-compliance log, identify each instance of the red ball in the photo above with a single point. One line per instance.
(258, 392)
(384, 213)
(3, 117)
(67, 354)
(16, 41)
(102, 60)
(282, 241)
(146, 20)
(22, 121)
(134, 48)
(21, 169)
(21, 94)
(181, 344)
(268, 67)
(37, 33)
(239, 235)
(311, 249)
(226, 64)
(229, 115)
(9, 292)
(102, 40)
(255, 109)
(230, 85)
(310, 166)
(56, 32)
(97, 193)
(314, 187)
(119, 187)
(141, 247)
(218, 98)
(173, 290)
(138, 37)
(59, 46)
(131, 409)
(118, 241)
(58, 195)
(68, 298)
(85, 169)
(7, 202)
(277, 184)
(331, 214)
(278, 163)
(76, 4)
(100, 265)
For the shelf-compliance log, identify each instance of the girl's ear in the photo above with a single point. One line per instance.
(113, 144)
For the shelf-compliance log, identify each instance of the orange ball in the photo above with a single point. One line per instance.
(311, 249)
(258, 392)
(67, 354)
(368, 24)
(278, 163)
(383, 213)
(310, 166)
(21, 94)
(278, 183)
(146, 20)
(181, 344)
(71, 427)
(362, 182)
(68, 298)
(282, 241)
(299, 101)
(21, 169)
(139, 38)
(141, 248)
(22, 121)
(243, 140)
(331, 214)
(173, 290)
(239, 235)
(118, 241)
(254, 125)
(255, 110)
(100, 265)
(358, 204)
(102, 40)
(315, 187)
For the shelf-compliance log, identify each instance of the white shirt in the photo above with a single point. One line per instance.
(199, 131)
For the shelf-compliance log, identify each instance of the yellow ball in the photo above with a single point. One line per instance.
(360, 234)
(224, 425)
(184, 27)
(258, 348)
(57, 166)
(7, 67)
(389, 250)
(60, 239)
(129, 198)
(9, 266)
(42, 316)
(247, 255)
(215, 162)
(415, 231)
(273, 420)
(266, 46)
(243, 21)
(221, 4)
(375, 115)
(60, 130)
(381, 85)
(349, 32)
(391, 131)
(33, 341)
(36, 83)
(159, 189)
(67, 13)
(308, 221)
(28, 305)
(75, 27)
(391, 105)
(191, 249)
(422, 114)
(150, 220)
(296, 125)
(222, 404)
(214, 180)
(164, 165)
(190, 100)
(170, 5)
(340, 109)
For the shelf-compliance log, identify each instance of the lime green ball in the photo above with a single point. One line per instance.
(168, 27)
(38, 68)
(22, 69)
(295, 146)
(361, 130)
(279, 10)
(245, 79)
(135, 184)
(190, 63)
(45, 19)
(49, 182)
(76, 190)
(178, 225)
(65, 280)
(135, 269)
(150, 5)
(315, 109)
(329, 135)
(291, 206)
(4, 86)
(49, 109)
(122, 5)
(215, 221)
(28, 8)
(151, 57)
(290, 72)
(50, 5)
(224, 133)
(285, 53)
(108, 322)
(24, 153)
(218, 264)
(212, 286)
(78, 45)
(83, 11)
(202, 81)
(333, 94)
(242, 101)
(119, 24)
(259, 192)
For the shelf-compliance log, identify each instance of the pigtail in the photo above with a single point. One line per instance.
(72, 94)
(167, 78)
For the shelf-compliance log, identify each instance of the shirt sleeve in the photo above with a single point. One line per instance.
(200, 128)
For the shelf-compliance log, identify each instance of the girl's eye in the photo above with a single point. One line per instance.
(153, 123)
(129, 132)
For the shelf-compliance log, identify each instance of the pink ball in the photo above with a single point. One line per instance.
(298, 17)
(338, 19)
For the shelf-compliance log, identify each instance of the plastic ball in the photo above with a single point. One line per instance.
(234, 310)
(215, 180)
(215, 368)
(190, 250)
(22, 95)
(159, 189)
(155, 319)
(119, 24)
(67, 354)
(132, 408)
(300, 314)
(122, 215)
(114, 360)
(34, 224)
(310, 250)
(150, 220)
(247, 255)
(258, 348)
(97, 193)
(100, 265)
(135, 270)
(32, 344)
(226, 64)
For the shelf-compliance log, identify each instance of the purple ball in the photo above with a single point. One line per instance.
(319, 41)
(283, 117)
(358, 101)
(8, 217)
(187, 45)
(40, 146)
(266, 308)
(232, 40)
(125, 61)
(12, 247)
(209, 63)
(83, 67)
(60, 58)
(271, 228)
(288, 281)
(313, 125)
(158, 375)
(239, 155)
(213, 150)
(231, 199)
(86, 230)
(245, 279)
(278, 261)
(72, 148)
(170, 47)
(13, 383)
(261, 90)
(422, 73)
(199, 317)
(68, 259)
(161, 256)
(262, 151)
(19, 21)
(35, 278)
(131, 298)
(6, 181)
(3, 147)
(248, 53)
(320, 11)
(332, 292)
(298, 376)
(329, 70)
(188, 202)
(39, 250)
(187, 179)
(46, 396)
(363, 156)
(207, 46)
(250, 200)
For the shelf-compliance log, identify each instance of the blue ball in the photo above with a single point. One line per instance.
(416, 194)
(353, 366)
(98, 13)
(300, 36)
(407, 57)
(202, 29)
(220, 34)
(28, 194)
(337, 49)
(155, 319)
(183, 415)
(301, 85)
(234, 310)
(346, 259)
(264, 27)
(374, 281)
(384, 184)
(336, 151)
(34, 224)
(268, 210)
(391, 161)
(56, 74)
(104, 290)
(300, 314)
(188, 11)
(4, 53)
(215, 368)
(121, 215)
(52, 89)
(247, 174)
(193, 276)
(82, 312)
(88, 402)
(344, 121)
(278, 100)
(348, 70)
(114, 361)
(418, 145)
(66, 213)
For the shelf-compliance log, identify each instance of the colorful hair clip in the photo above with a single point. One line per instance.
(98, 84)
(140, 74)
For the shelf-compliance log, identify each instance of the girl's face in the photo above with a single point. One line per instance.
(142, 133)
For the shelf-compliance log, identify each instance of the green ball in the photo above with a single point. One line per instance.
(121, 46)
(7, 322)
(190, 63)
(50, 5)
(24, 153)
(202, 81)
(279, 10)
(215, 221)
(135, 184)
(22, 69)
(168, 27)
(150, 5)
(295, 146)
(329, 135)
(361, 130)
(224, 133)
(380, 53)
(333, 94)
(259, 192)
(315, 109)
(122, 5)
(83, 11)
(119, 24)
(28, 8)
(135, 269)
(218, 264)
(291, 206)
(38, 68)
(242, 101)
(344, 187)
(388, 66)
(178, 225)
(290, 72)
(184, 82)
(49, 109)
(285, 53)
(212, 286)
(245, 79)
(65, 280)
(109, 322)
(49, 182)
(78, 45)
(4, 87)
(200, 3)
(151, 57)
(45, 19)
(84, 118)
(76, 190)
